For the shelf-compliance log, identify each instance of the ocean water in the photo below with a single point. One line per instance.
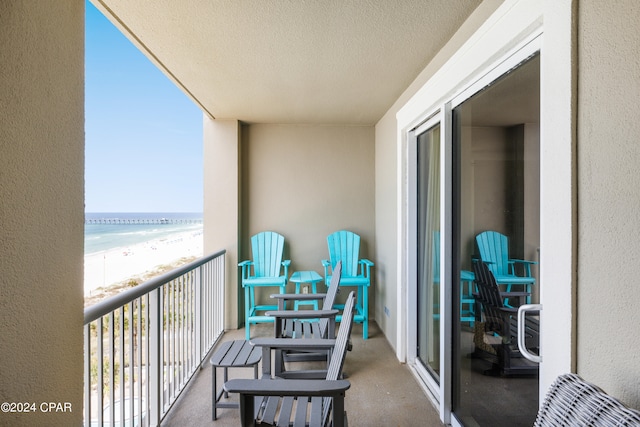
(103, 237)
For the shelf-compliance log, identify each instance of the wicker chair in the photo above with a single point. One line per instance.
(571, 401)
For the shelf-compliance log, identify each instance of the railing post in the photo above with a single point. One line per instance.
(112, 368)
(155, 370)
(100, 354)
(223, 286)
(198, 321)
(87, 371)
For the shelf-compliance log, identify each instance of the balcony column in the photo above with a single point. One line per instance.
(42, 212)
(222, 203)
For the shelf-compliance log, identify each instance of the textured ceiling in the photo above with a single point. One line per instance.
(291, 61)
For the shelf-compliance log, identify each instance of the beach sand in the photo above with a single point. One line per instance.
(114, 268)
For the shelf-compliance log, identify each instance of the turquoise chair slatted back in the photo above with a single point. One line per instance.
(344, 246)
(267, 248)
(494, 250)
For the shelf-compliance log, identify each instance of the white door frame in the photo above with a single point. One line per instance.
(428, 382)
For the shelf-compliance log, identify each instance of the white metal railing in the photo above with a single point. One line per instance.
(143, 346)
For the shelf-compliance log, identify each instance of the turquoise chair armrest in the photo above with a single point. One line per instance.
(523, 261)
(365, 267)
(286, 263)
(527, 265)
(326, 264)
(246, 269)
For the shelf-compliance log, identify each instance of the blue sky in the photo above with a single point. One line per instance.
(143, 135)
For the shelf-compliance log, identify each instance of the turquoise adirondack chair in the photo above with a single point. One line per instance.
(494, 251)
(345, 246)
(266, 248)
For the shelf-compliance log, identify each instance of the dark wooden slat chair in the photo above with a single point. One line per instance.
(305, 324)
(300, 323)
(502, 322)
(295, 402)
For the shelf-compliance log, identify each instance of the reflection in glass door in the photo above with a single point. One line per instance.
(428, 250)
(496, 148)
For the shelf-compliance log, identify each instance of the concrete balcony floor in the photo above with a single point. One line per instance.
(383, 391)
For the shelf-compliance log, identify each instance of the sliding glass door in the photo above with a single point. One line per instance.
(496, 148)
(428, 250)
(473, 166)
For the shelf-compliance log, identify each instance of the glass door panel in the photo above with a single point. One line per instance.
(428, 251)
(496, 187)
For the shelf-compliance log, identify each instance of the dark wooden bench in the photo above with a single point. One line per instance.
(313, 403)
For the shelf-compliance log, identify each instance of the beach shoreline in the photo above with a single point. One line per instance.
(139, 262)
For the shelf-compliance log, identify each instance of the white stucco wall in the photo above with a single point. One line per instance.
(386, 203)
(41, 208)
(608, 333)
